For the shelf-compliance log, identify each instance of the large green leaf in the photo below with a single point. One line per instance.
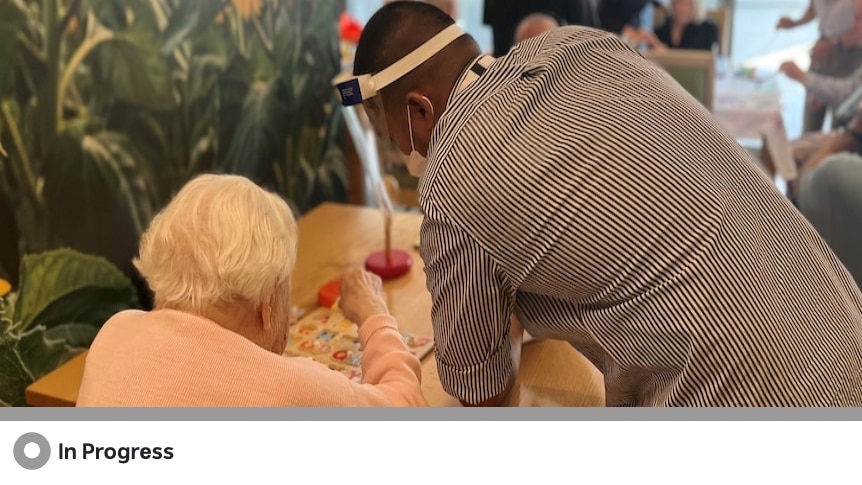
(77, 336)
(216, 39)
(117, 14)
(129, 67)
(233, 87)
(25, 358)
(288, 44)
(203, 75)
(97, 194)
(259, 139)
(156, 153)
(188, 19)
(63, 285)
(323, 30)
(13, 16)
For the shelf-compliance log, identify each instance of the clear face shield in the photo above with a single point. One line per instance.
(364, 93)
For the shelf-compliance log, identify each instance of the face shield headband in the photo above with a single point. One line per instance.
(354, 90)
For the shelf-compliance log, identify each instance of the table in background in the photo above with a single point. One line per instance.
(747, 107)
(334, 237)
(751, 110)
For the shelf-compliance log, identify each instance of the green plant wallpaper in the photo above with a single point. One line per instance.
(107, 107)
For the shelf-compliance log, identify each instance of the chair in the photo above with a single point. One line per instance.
(725, 34)
(694, 70)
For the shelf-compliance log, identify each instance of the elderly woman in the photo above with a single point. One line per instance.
(218, 259)
(687, 27)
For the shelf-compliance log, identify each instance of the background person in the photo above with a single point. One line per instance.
(503, 17)
(687, 27)
(625, 18)
(838, 51)
(535, 24)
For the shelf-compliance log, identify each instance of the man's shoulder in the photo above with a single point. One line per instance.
(556, 42)
(575, 34)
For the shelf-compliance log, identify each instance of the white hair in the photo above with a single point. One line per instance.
(448, 6)
(698, 9)
(220, 239)
(534, 24)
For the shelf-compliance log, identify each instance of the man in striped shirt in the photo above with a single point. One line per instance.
(572, 184)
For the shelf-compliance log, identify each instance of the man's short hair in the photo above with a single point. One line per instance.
(412, 23)
(222, 238)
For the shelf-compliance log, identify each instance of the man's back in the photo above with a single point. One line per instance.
(610, 210)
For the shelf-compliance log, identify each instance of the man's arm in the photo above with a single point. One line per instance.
(809, 15)
(517, 339)
(471, 309)
(826, 89)
(832, 90)
(788, 23)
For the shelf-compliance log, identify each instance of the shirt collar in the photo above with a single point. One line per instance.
(477, 67)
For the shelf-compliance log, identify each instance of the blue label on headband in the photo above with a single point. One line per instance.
(350, 92)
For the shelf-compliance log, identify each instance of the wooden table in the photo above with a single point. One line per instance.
(334, 237)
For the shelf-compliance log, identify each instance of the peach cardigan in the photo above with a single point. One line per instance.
(167, 358)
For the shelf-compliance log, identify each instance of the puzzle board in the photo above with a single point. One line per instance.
(327, 337)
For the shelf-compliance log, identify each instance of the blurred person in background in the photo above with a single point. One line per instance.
(503, 16)
(810, 148)
(448, 6)
(837, 53)
(687, 27)
(627, 19)
(535, 24)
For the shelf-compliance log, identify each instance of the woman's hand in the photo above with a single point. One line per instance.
(361, 296)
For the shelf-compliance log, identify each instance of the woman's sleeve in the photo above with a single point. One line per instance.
(391, 374)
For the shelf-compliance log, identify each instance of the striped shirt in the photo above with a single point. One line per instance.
(577, 186)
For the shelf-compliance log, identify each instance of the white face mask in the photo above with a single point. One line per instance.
(416, 162)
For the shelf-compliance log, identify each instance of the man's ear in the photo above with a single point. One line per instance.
(420, 105)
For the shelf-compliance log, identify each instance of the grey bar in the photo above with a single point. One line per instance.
(431, 414)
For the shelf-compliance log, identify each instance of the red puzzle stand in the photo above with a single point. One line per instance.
(397, 264)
